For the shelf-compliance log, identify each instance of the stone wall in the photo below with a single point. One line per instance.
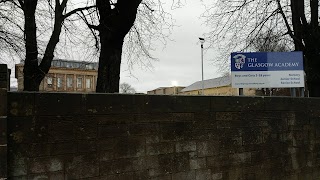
(4, 87)
(110, 136)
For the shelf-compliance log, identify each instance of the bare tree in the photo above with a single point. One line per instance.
(11, 31)
(135, 23)
(109, 23)
(233, 22)
(25, 16)
(127, 88)
(267, 42)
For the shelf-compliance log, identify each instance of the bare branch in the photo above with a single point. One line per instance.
(77, 10)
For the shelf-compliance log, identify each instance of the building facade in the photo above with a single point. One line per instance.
(65, 76)
(216, 87)
(166, 90)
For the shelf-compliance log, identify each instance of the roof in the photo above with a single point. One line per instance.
(159, 88)
(71, 64)
(209, 83)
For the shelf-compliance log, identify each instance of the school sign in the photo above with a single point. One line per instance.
(267, 70)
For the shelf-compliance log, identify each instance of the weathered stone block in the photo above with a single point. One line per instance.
(224, 116)
(192, 104)
(153, 117)
(128, 147)
(252, 136)
(63, 148)
(81, 166)
(198, 163)
(61, 130)
(139, 164)
(3, 130)
(217, 176)
(21, 104)
(109, 103)
(44, 165)
(86, 128)
(218, 161)
(203, 174)
(165, 177)
(117, 166)
(3, 161)
(204, 120)
(207, 148)
(59, 104)
(152, 139)
(3, 100)
(160, 148)
(39, 149)
(107, 119)
(233, 104)
(113, 130)
(86, 146)
(182, 117)
(106, 144)
(106, 155)
(240, 158)
(176, 131)
(186, 146)
(152, 162)
(188, 175)
(174, 162)
(144, 129)
(153, 103)
(27, 129)
(280, 104)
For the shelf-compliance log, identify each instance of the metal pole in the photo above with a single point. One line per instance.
(240, 91)
(293, 92)
(202, 67)
(302, 92)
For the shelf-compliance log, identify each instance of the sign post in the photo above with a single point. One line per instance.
(267, 70)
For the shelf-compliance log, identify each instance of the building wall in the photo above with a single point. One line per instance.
(221, 91)
(63, 74)
(114, 136)
(166, 91)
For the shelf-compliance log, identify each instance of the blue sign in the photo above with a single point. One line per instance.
(267, 70)
(267, 61)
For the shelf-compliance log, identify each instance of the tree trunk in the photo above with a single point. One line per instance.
(312, 69)
(109, 64)
(31, 62)
(34, 72)
(307, 39)
(311, 39)
(114, 25)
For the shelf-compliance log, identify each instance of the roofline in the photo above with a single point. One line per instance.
(206, 88)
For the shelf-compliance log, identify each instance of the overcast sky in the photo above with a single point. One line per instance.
(180, 61)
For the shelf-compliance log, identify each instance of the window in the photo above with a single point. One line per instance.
(76, 65)
(88, 83)
(59, 82)
(49, 81)
(79, 82)
(89, 66)
(69, 65)
(69, 82)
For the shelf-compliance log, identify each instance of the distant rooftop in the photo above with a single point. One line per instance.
(209, 83)
(159, 88)
(72, 64)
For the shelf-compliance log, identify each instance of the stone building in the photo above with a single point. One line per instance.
(65, 76)
(216, 87)
(166, 90)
